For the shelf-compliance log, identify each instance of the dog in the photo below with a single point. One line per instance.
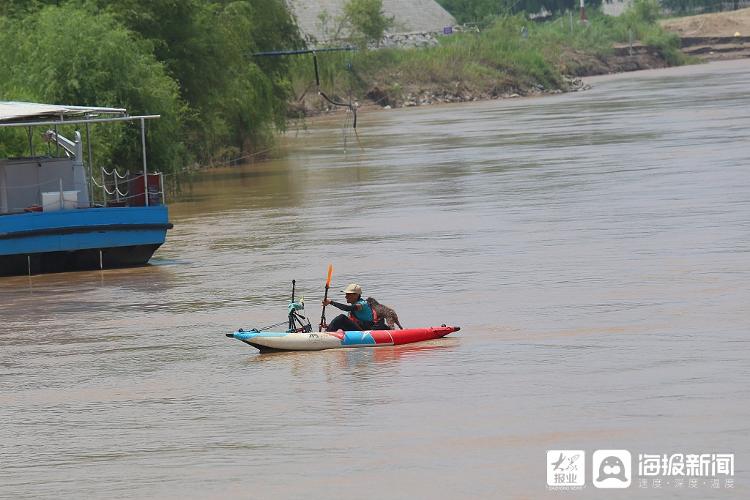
(385, 312)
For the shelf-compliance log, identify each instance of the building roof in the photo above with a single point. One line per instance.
(409, 16)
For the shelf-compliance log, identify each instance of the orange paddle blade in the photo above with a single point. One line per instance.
(330, 272)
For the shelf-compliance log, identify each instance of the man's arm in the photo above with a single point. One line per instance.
(345, 307)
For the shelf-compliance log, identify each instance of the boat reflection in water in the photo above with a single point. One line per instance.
(49, 220)
(358, 362)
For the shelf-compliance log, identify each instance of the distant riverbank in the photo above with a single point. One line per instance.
(515, 57)
(512, 57)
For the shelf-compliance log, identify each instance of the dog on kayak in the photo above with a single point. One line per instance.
(385, 313)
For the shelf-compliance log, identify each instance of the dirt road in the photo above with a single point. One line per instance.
(719, 24)
(712, 37)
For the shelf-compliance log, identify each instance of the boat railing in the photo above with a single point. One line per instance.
(115, 189)
(129, 189)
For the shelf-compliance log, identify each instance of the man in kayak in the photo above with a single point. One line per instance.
(361, 315)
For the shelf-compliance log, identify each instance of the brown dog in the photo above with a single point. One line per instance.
(385, 312)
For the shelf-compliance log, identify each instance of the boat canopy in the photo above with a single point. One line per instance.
(14, 111)
(24, 180)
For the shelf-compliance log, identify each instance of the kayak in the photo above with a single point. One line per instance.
(313, 341)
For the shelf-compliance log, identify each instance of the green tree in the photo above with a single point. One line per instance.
(235, 100)
(20, 8)
(69, 55)
(641, 14)
(367, 20)
(472, 10)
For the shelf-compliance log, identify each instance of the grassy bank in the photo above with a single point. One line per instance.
(512, 56)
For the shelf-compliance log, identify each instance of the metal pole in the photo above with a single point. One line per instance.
(91, 166)
(31, 142)
(145, 168)
(83, 120)
(104, 188)
(630, 42)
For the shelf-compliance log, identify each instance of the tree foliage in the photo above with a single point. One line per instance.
(235, 99)
(70, 56)
(188, 60)
(366, 20)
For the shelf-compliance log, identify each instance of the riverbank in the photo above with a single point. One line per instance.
(384, 95)
(512, 57)
(573, 66)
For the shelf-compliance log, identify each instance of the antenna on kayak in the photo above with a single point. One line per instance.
(297, 322)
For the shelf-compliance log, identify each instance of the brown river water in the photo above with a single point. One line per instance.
(594, 247)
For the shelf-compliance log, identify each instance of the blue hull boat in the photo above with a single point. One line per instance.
(93, 238)
(52, 219)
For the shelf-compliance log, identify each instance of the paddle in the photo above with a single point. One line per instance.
(325, 297)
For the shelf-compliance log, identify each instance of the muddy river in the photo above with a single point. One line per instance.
(594, 247)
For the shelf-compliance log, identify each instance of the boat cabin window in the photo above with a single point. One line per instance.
(36, 184)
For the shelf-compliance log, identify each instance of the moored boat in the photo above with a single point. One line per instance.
(50, 220)
(312, 341)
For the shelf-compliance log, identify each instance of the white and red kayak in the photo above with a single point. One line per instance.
(313, 341)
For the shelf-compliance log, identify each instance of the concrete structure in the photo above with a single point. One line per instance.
(410, 16)
(615, 7)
